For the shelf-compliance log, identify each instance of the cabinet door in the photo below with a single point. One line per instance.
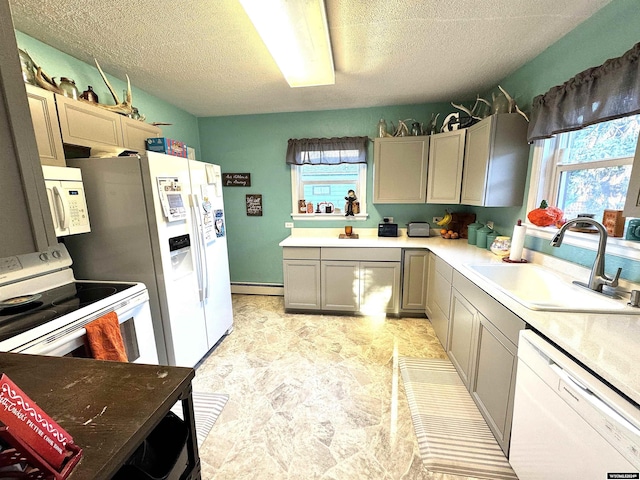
(44, 116)
(414, 279)
(88, 126)
(493, 384)
(461, 340)
(439, 297)
(444, 179)
(25, 223)
(495, 161)
(431, 272)
(400, 169)
(379, 287)
(340, 286)
(135, 134)
(476, 164)
(301, 284)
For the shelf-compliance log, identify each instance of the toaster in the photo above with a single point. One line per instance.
(418, 229)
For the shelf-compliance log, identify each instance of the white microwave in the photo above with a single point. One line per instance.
(67, 201)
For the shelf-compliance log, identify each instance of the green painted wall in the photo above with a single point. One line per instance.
(257, 144)
(58, 64)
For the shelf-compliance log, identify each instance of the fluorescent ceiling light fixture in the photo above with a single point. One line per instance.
(297, 36)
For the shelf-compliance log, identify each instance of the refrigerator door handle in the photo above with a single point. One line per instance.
(197, 245)
(202, 245)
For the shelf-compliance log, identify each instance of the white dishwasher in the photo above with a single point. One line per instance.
(568, 424)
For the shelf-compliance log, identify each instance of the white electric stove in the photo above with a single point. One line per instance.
(43, 308)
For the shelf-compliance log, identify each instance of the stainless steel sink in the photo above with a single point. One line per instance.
(538, 288)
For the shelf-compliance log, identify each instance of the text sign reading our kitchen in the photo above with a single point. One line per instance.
(236, 179)
(254, 205)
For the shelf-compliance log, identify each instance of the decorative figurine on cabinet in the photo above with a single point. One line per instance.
(351, 199)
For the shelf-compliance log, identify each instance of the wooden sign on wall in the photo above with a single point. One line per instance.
(236, 179)
(254, 205)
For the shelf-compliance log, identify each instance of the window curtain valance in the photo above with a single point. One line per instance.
(327, 151)
(598, 94)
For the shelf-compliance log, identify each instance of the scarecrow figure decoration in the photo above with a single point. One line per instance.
(351, 199)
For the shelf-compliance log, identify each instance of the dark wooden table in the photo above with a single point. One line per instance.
(108, 408)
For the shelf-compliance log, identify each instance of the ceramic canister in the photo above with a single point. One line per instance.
(472, 230)
(481, 237)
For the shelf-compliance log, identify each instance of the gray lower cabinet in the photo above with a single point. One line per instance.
(340, 290)
(494, 379)
(462, 335)
(415, 267)
(483, 339)
(301, 268)
(379, 287)
(365, 280)
(439, 296)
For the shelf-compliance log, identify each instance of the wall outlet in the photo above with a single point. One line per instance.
(387, 219)
(288, 224)
(490, 224)
(436, 219)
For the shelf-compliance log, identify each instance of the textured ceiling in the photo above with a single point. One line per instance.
(205, 56)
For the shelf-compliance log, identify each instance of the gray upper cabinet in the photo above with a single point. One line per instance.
(88, 126)
(446, 153)
(26, 222)
(400, 169)
(42, 107)
(495, 162)
(135, 133)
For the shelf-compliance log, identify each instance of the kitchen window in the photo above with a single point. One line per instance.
(588, 170)
(323, 185)
(323, 172)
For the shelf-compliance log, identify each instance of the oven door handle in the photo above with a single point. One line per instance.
(48, 348)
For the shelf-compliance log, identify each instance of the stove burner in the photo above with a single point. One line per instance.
(23, 307)
(85, 296)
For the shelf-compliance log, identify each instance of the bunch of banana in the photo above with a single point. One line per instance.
(446, 220)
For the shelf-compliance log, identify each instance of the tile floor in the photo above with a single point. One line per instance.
(313, 396)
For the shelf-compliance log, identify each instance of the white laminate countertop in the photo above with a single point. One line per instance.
(608, 344)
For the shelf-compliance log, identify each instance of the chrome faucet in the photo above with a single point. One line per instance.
(597, 278)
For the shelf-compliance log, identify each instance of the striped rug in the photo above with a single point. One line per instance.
(206, 409)
(452, 435)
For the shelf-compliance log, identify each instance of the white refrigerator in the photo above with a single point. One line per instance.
(159, 219)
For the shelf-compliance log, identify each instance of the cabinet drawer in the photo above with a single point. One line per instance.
(504, 319)
(367, 254)
(444, 269)
(301, 253)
